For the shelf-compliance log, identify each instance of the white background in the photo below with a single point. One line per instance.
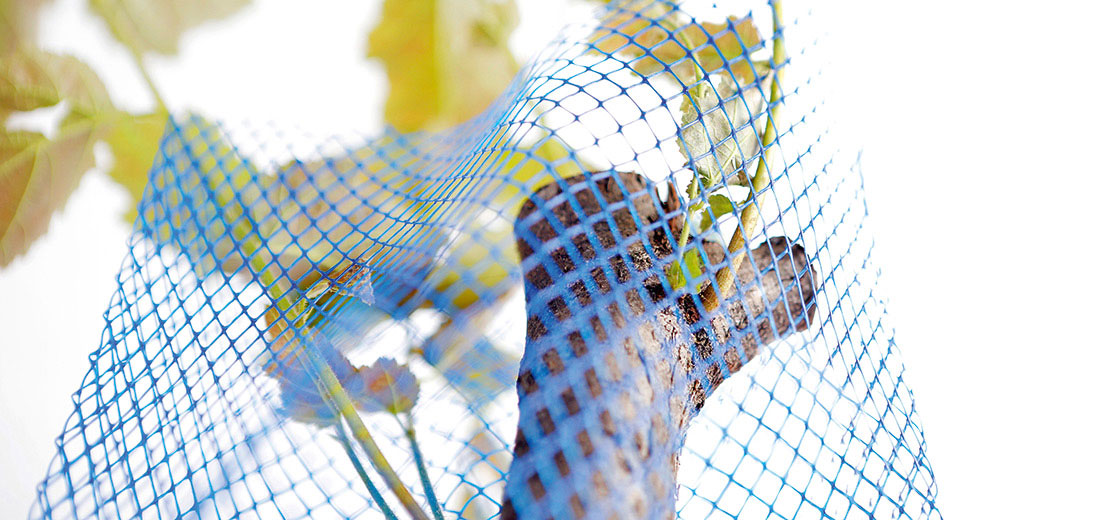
(983, 125)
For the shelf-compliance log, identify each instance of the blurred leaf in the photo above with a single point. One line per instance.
(157, 25)
(37, 176)
(653, 36)
(342, 307)
(385, 385)
(466, 357)
(34, 79)
(222, 185)
(446, 60)
(134, 142)
(18, 23)
(354, 206)
(358, 199)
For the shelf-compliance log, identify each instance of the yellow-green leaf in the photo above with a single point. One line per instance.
(37, 175)
(447, 60)
(31, 79)
(693, 263)
(652, 36)
(157, 25)
(719, 206)
(134, 142)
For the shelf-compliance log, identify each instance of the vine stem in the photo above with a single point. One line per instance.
(693, 93)
(335, 393)
(147, 78)
(750, 214)
(350, 450)
(421, 466)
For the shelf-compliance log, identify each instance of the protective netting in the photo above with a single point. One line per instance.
(533, 249)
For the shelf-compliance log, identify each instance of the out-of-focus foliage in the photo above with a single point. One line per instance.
(18, 22)
(157, 25)
(447, 60)
(134, 142)
(38, 172)
(384, 386)
(653, 38)
(37, 175)
(36, 79)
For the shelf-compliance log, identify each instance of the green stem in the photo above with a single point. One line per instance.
(147, 78)
(377, 496)
(421, 467)
(692, 95)
(750, 215)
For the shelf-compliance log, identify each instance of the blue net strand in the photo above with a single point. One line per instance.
(521, 288)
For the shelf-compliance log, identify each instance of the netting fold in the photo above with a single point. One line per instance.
(561, 294)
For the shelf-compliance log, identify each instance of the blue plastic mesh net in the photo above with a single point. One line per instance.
(532, 249)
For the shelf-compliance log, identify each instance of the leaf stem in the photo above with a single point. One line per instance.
(147, 78)
(750, 215)
(421, 466)
(374, 493)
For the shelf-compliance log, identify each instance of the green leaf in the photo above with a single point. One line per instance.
(446, 60)
(33, 79)
(719, 206)
(157, 25)
(37, 176)
(693, 263)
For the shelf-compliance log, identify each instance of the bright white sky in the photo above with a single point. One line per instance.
(980, 121)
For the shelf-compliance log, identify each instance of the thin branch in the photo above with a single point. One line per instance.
(147, 78)
(750, 215)
(421, 466)
(350, 450)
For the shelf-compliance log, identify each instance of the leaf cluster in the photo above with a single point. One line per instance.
(724, 90)
(39, 170)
